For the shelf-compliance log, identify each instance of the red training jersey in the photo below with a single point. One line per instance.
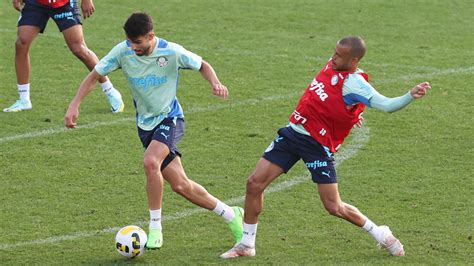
(322, 111)
(53, 3)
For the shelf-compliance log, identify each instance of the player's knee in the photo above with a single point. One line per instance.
(181, 188)
(150, 164)
(80, 51)
(21, 44)
(333, 208)
(254, 185)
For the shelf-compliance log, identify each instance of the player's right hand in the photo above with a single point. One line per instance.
(87, 8)
(70, 117)
(18, 4)
(220, 90)
(420, 90)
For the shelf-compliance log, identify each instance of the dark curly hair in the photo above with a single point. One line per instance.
(138, 24)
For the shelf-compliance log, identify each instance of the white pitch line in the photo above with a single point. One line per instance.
(440, 72)
(360, 138)
(51, 131)
(230, 103)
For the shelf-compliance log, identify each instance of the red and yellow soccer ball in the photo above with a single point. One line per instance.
(130, 241)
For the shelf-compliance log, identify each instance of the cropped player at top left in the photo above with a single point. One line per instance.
(34, 16)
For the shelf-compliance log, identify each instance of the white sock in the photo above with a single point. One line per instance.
(155, 219)
(249, 235)
(224, 211)
(24, 91)
(373, 230)
(107, 86)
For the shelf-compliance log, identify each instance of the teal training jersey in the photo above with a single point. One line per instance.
(153, 78)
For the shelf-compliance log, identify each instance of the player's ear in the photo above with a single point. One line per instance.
(355, 61)
(151, 35)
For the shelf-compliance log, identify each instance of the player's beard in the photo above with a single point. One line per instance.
(146, 51)
(340, 67)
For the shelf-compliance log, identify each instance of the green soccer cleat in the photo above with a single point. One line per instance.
(237, 224)
(155, 239)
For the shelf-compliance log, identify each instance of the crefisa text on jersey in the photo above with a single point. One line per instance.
(318, 87)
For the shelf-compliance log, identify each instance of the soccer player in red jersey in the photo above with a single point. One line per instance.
(33, 19)
(329, 108)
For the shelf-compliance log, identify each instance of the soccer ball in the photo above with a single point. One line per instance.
(130, 241)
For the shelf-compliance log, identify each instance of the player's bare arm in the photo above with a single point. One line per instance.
(209, 74)
(87, 7)
(70, 118)
(18, 4)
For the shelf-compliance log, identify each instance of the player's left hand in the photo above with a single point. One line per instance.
(360, 123)
(88, 8)
(18, 4)
(420, 90)
(220, 90)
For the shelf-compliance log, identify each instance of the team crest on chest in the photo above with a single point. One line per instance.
(162, 61)
(334, 80)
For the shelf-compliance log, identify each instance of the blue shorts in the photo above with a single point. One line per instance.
(37, 15)
(291, 146)
(169, 132)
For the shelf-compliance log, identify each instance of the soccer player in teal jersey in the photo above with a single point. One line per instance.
(152, 65)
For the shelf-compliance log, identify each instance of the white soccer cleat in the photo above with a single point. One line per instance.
(239, 250)
(115, 101)
(390, 243)
(18, 106)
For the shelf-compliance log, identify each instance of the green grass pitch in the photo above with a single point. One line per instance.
(64, 194)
